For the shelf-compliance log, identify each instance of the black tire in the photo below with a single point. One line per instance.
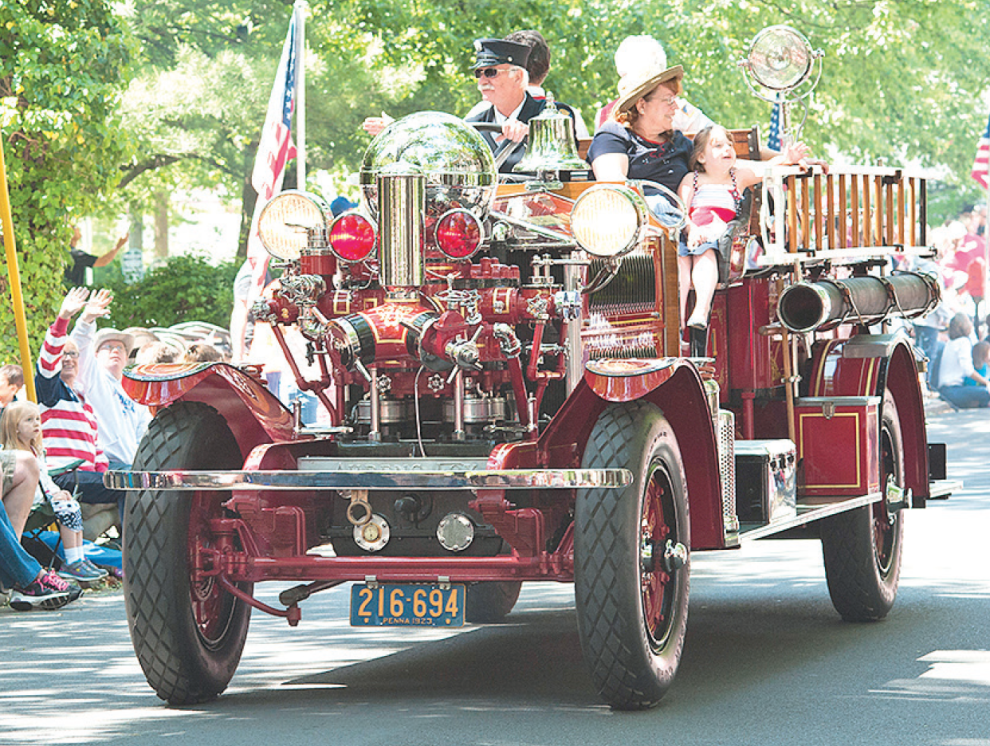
(632, 610)
(188, 634)
(490, 602)
(862, 548)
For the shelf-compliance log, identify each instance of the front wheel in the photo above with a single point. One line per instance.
(187, 631)
(862, 547)
(491, 602)
(631, 562)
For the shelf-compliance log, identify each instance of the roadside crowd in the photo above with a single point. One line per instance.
(955, 336)
(54, 453)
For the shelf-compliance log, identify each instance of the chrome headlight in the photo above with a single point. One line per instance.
(608, 219)
(286, 220)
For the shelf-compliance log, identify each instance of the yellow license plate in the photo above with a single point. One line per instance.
(407, 605)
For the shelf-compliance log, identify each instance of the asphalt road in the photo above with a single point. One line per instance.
(767, 660)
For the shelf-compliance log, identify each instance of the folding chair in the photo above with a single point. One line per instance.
(42, 518)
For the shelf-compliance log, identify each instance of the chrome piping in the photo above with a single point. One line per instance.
(507, 479)
(459, 433)
(574, 365)
(375, 413)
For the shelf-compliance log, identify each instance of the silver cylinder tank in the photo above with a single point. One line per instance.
(402, 216)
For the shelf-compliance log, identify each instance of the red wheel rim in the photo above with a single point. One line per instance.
(883, 526)
(211, 604)
(657, 585)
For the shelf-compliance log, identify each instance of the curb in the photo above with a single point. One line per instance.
(936, 406)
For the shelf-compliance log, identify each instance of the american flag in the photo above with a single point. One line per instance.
(773, 137)
(981, 168)
(274, 151)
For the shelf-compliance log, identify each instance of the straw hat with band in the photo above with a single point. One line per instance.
(112, 335)
(638, 84)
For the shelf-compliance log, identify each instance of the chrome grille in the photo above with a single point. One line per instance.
(727, 467)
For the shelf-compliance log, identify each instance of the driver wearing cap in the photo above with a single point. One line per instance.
(500, 68)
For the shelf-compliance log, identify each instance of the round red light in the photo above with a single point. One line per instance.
(458, 234)
(352, 237)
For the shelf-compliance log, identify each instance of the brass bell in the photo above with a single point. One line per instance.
(551, 146)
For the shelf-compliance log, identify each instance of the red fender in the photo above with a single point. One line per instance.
(252, 412)
(868, 365)
(676, 388)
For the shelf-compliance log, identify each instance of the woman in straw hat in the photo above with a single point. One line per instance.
(639, 142)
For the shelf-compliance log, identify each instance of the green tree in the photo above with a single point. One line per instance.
(185, 288)
(62, 67)
(901, 81)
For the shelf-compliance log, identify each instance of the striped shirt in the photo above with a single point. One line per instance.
(713, 200)
(68, 424)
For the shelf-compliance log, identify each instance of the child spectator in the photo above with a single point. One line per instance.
(11, 381)
(20, 430)
(32, 587)
(981, 356)
(712, 195)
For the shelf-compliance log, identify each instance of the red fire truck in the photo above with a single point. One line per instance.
(506, 398)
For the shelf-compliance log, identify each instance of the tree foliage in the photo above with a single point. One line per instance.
(185, 288)
(903, 81)
(62, 67)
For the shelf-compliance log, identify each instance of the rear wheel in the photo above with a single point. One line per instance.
(631, 564)
(491, 602)
(187, 631)
(862, 547)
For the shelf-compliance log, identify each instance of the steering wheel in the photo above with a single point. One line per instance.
(508, 150)
(669, 209)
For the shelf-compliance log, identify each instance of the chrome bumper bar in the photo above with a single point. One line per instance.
(510, 479)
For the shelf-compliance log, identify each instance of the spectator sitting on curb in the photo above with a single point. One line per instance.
(69, 425)
(20, 479)
(20, 430)
(981, 356)
(32, 587)
(102, 357)
(11, 382)
(957, 365)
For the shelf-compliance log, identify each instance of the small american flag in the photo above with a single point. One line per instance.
(981, 166)
(274, 151)
(773, 137)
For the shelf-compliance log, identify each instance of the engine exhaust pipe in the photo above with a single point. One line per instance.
(813, 306)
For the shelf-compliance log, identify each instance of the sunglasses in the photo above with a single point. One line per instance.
(488, 72)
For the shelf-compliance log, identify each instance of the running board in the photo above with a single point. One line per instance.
(940, 489)
(807, 514)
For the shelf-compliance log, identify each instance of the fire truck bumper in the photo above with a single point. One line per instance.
(508, 479)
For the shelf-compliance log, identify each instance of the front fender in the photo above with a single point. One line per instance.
(252, 412)
(676, 388)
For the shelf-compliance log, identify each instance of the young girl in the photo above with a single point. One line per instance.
(20, 429)
(712, 195)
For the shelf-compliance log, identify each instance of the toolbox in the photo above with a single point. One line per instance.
(766, 481)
